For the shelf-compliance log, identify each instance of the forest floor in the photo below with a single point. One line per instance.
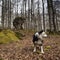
(23, 49)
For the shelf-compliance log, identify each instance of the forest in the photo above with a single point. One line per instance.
(20, 19)
(39, 15)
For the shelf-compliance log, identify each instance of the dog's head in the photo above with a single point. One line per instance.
(42, 33)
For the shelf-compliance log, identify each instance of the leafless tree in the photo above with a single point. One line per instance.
(43, 15)
(2, 13)
(51, 15)
(29, 14)
(9, 13)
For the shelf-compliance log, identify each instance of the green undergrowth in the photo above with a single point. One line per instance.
(19, 35)
(1, 59)
(47, 48)
(53, 32)
(7, 36)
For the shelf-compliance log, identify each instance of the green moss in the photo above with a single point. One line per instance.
(47, 48)
(7, 36)
(19, 35)
(38, 52)
(1, 59)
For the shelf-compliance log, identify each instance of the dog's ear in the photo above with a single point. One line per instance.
(41, 31)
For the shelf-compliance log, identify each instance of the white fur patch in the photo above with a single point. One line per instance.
(36, 34)
(44, 34)
(34, 49)
(42, 49)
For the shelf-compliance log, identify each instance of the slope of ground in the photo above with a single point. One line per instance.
(23, 49)
(7, 36)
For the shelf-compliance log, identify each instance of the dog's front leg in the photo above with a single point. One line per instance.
(42, 49)
(34, 49)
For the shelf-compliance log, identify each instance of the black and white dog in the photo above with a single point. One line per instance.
(38, 40)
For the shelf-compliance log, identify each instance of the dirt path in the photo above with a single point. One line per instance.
(23, 49)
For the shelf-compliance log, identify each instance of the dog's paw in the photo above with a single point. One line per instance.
(42, 52)
(34, 50)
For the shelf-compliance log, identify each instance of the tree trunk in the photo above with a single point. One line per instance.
(51, 15)
(9, 14)
(29, 14)
(2, 13)
(43, 16)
